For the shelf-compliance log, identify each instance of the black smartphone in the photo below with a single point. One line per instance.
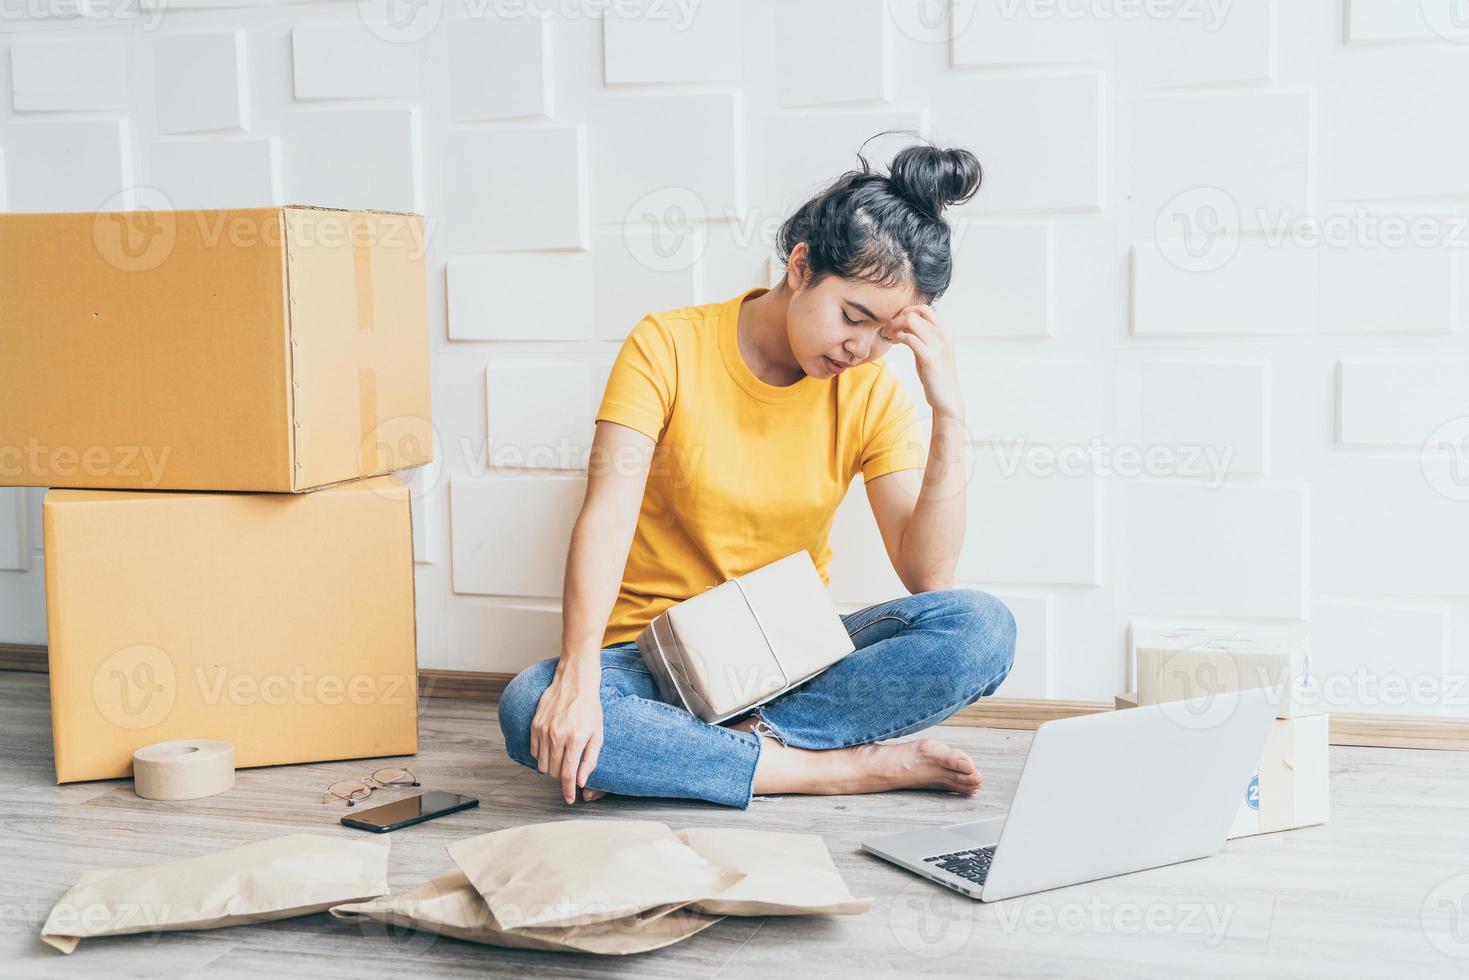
(409, 811)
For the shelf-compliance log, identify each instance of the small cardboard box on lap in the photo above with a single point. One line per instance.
(744, 641)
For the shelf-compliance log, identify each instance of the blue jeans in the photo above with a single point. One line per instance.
(918, 659)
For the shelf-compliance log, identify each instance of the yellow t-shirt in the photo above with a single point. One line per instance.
(744, 472)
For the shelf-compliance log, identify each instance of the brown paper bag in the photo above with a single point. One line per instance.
(785, 874)
(270, 879)
(449, 905)
(575, 872)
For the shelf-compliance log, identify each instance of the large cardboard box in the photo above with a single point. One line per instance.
(276, 349)
(744, 641)
(1189, 662)
(282, 623)
(1288, 788)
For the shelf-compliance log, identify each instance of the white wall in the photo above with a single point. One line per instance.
(580, 171)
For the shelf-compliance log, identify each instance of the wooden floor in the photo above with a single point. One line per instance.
(1373, 893)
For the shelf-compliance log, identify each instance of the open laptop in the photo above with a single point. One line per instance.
(1103, 795)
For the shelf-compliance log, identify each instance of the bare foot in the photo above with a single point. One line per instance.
(923, 763)
(588, 794)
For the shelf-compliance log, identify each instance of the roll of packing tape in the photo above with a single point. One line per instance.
(187, 769)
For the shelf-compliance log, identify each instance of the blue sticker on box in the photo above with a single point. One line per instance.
(1252, 792)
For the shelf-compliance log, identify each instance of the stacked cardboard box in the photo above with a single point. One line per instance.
(217, 399)
(1289, 786)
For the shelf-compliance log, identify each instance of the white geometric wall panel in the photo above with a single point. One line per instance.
(1384, 529)
(1007, 293)
(67, 165)
(1220, 551)
(1383, 131)
(643, 269)
(635, 164)
(1254, 148)
(542, 414)
(199, 82)
(507, 532)
(216, 173)
(1028, 522)
(1057, 166)
(832, 51)
(523, 187)
(1030, 675)
(69, 73)
(333, 60)
(1204, 408)
(500, 67)
(1380, 659)
(353, 158)
(650, 42)
(805, 150)
(1225, 43)
(505, 296)
(1262, 289)
(1400, 402)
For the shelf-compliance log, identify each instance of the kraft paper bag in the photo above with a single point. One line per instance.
(297, 874)
(576, 872)
(449, 905)
(785, 874)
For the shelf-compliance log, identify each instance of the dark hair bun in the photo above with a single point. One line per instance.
(931, 178)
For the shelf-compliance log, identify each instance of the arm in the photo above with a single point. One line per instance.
(921, 513)
(566, 732)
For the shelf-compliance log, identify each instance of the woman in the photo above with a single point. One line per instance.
(727, 436)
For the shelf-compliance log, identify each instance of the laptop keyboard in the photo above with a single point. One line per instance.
(973, 864)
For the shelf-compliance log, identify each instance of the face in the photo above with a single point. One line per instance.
(838, 324)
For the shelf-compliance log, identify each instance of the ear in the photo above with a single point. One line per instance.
(798, 266)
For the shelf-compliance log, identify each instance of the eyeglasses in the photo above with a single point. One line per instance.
(353, 790)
